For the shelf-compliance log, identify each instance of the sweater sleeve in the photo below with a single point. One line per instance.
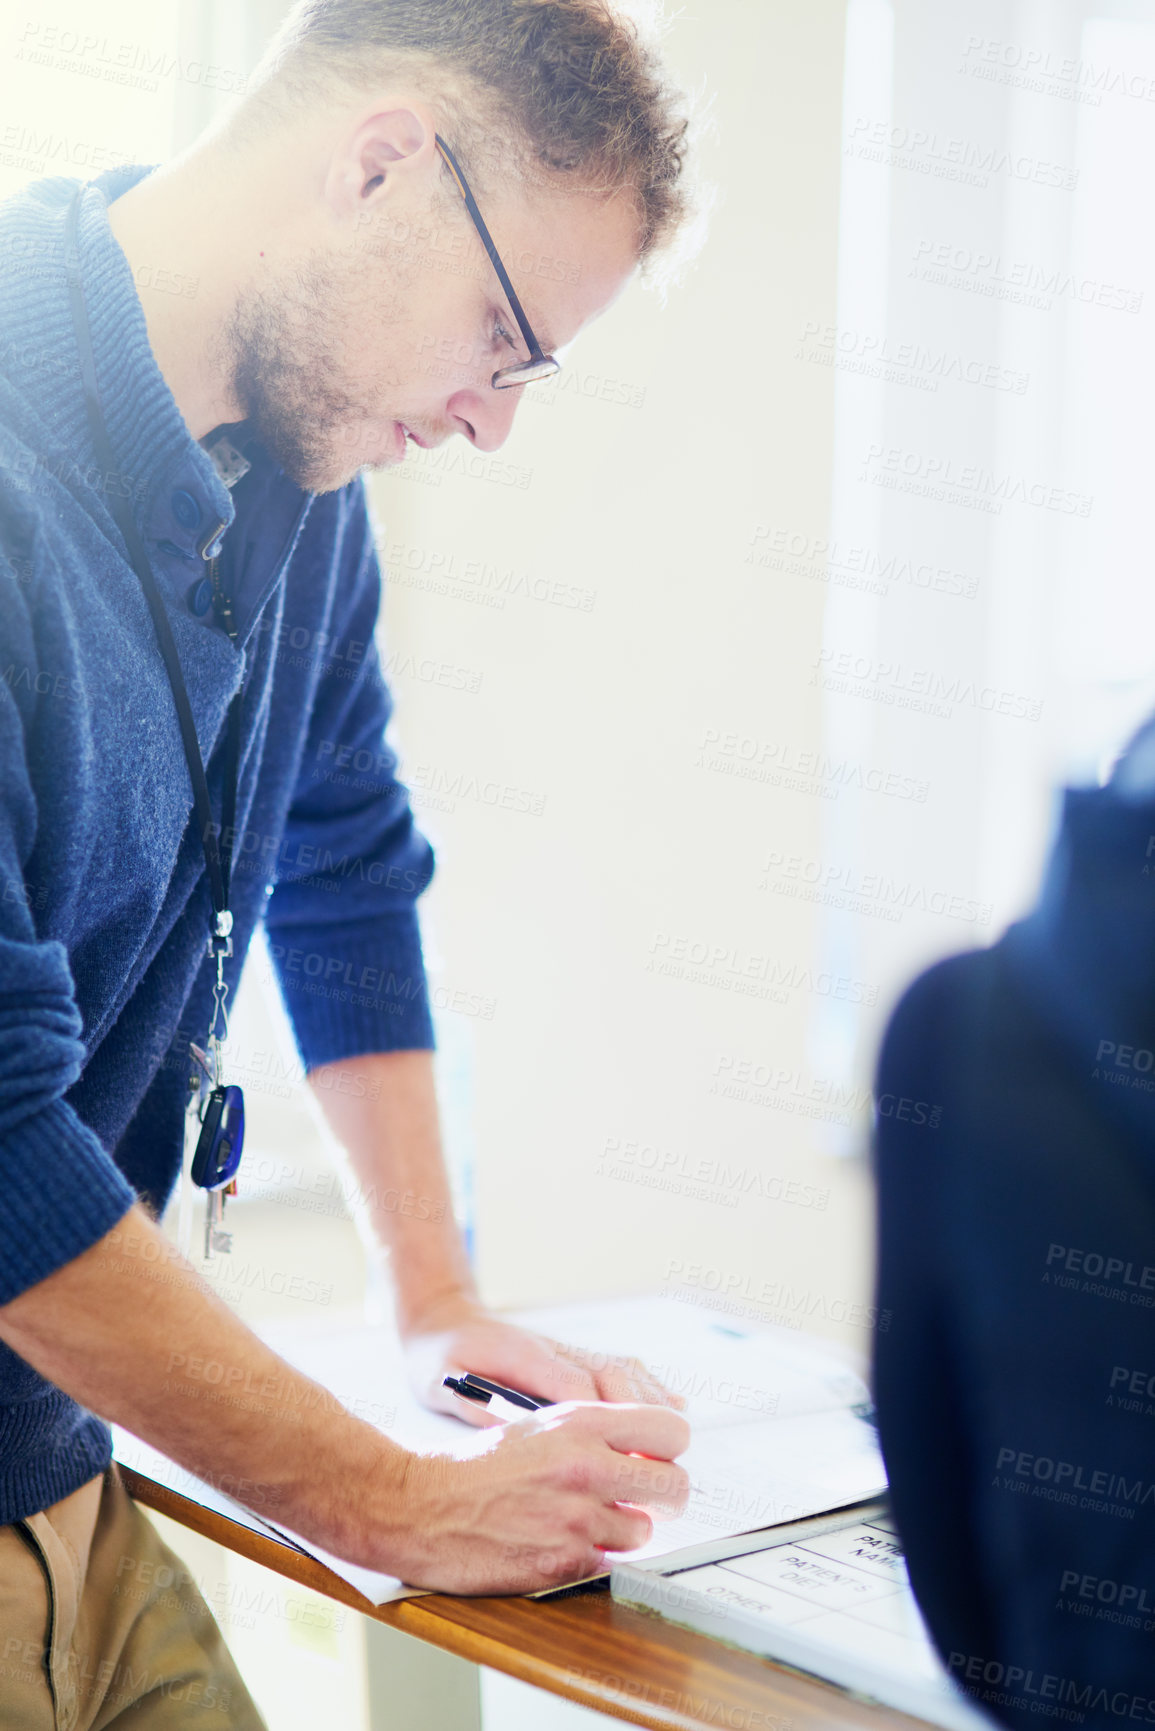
(342, 918)
(61, 1189)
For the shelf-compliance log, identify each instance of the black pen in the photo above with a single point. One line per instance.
(481, 1390)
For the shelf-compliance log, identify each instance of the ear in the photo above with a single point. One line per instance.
(391, 145)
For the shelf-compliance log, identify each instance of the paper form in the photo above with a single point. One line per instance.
(862, 1611)
(772, 1438)
(836, 1603)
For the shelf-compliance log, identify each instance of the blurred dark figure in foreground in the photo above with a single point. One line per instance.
(1016, 1387)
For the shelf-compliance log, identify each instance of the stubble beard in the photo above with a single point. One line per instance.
(290, 369)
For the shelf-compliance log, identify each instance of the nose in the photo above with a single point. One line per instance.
(485, 416)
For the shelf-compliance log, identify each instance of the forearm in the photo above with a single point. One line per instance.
(129, 1329)
(383, 1110)
(134, 1334)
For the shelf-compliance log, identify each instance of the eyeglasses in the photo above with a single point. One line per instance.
(539, 365)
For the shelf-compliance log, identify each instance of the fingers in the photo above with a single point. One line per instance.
(529, 1362)
(558, 1377)
(643, 1475)
(627, 1379)
(601, 1472)
(656, 1431)
(543, 1501)
(579, 1551)
(661, 1488)
(624, 1530)
(540, 1366)
(593, 1376)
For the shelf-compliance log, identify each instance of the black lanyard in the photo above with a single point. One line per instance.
(218, 850)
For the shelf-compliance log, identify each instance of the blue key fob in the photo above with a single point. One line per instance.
(221, 1141)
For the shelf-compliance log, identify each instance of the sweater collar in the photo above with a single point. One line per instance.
(158, 462)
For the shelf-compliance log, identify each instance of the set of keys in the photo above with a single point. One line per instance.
(217, 1119)
(214, 1124)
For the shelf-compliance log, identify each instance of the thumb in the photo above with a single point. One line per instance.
(425, 1363)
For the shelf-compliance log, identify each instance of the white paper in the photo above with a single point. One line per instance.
(727, 1374)
(130, 1451)
(836, 1603)
(772, 1439)
(751, 1476)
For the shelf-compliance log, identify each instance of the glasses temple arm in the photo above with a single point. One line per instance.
(531, 342)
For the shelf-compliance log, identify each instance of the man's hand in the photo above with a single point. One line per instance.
(542, 1500)
(528, 1506)
(388, 1124)
(458, 1335)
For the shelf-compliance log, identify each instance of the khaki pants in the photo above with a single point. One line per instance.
(89, 1639)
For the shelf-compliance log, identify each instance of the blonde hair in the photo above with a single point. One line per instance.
(565, 93)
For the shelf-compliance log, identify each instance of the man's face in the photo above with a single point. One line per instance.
(393, 330)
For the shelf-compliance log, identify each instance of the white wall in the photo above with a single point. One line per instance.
(990, 612)
(642, 478)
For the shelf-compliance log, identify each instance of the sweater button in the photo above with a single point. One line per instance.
(200, 597)
(185, 509)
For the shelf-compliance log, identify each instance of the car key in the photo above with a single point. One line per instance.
(215, 1162)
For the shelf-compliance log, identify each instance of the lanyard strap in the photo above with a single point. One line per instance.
(217, 849)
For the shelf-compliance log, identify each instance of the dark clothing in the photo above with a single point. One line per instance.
(1016, 1384)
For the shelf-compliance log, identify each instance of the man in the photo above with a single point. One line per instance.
(199, 362)
(1016, 1385)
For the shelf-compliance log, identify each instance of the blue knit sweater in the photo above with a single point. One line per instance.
(104, 903)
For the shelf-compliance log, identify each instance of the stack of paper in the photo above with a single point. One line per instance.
(828, 1596)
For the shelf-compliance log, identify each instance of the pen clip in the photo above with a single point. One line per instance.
(479, 1388)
